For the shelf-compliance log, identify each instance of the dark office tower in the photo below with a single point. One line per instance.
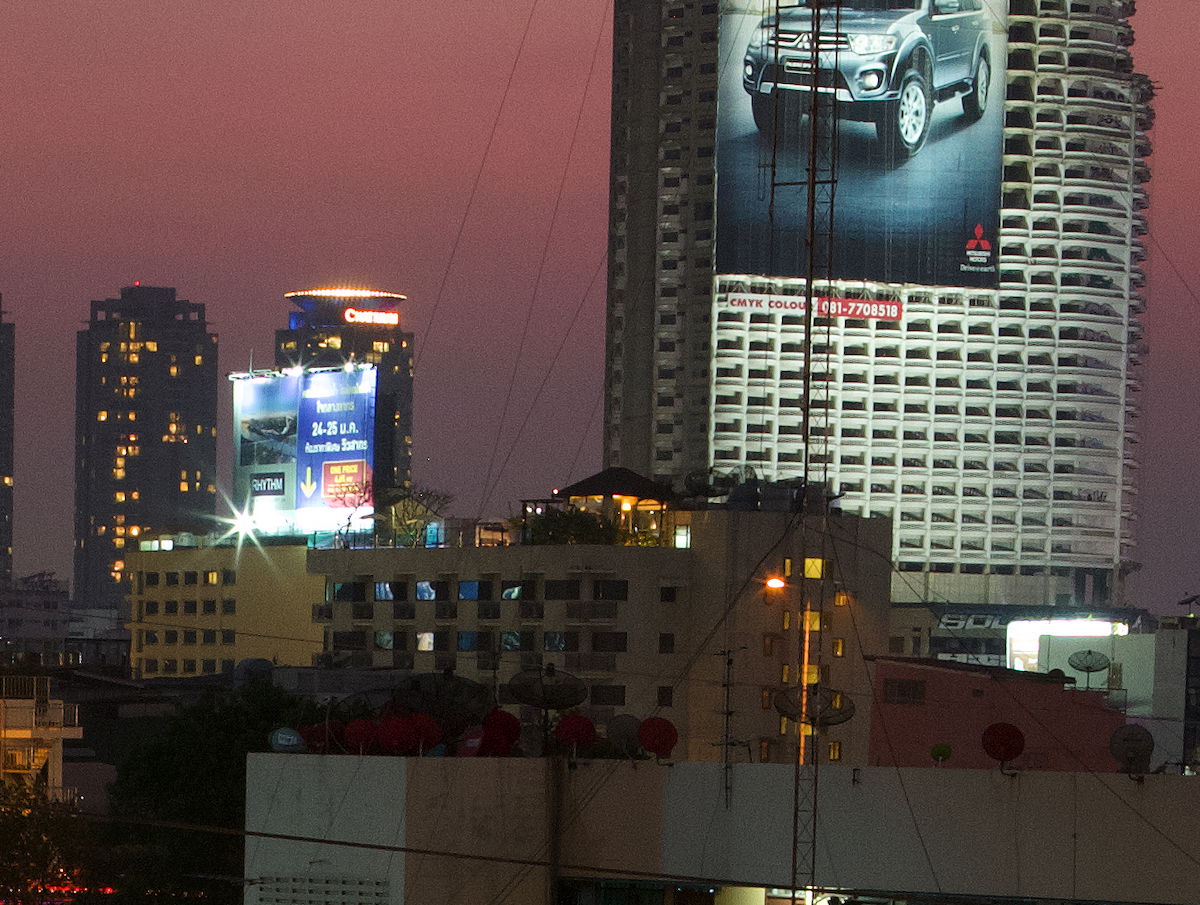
(335, 327)
(145, 432)
(7, 369)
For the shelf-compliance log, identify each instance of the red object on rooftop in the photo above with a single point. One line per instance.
(500, 732)
(323, 738)
(575, 729)
(360, 736)
(658, 736)
(397, 735)
(429, 731)
(1003, 742)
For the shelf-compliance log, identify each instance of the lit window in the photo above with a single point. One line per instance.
(841, 598)
(425, 641)
(783, 725)
(173, 370)
(211, 576)
(102, 416)
(812, 674)
(183, 486)
(199, 359)
(119, 496)
(835, 750)
(839, 647)
(151, 346)
(814, 568)
(134, 358)
(785, 674)
(118, 542)
(787, 620)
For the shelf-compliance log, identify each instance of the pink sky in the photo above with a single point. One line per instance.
(238, 150)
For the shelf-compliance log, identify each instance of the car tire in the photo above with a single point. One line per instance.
(975, 101)
(904, 125)
(763, 108)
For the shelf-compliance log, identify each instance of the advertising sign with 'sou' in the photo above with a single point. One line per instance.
(915, 91)
(335, 448)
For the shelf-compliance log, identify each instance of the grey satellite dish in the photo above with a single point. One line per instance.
(826, 706)
(454, 701)
(623, 734)
(1088, 662)
(547, 689)
(1131, 746)
(287, 741)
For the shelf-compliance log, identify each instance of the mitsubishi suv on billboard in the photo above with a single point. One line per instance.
(887, 62)
(910, 130)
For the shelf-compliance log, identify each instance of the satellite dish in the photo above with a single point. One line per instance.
(287, 741)
(548, 689)
(1131, 746)
(453, 701)
(1003, 742)
(825, 706)
(940, 753)
(622, 734)
(1088, 662)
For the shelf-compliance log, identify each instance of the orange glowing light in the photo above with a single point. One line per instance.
(776, 584)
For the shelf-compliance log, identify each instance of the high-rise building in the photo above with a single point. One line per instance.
(145, 432)
(332, 327)
(326, 434)
(7, 410)
(975, 277)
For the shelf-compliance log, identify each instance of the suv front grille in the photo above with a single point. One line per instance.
(801, 75)
(794, 40)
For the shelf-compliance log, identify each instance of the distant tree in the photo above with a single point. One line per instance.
(569, 526)
(193, 770)
(42, 843)
(404, 514)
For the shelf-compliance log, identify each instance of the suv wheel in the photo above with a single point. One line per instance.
(763, 107)
(904, 125)
(974, 102)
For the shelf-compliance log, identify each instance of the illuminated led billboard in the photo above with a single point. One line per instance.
(916, 89)
(305, 448)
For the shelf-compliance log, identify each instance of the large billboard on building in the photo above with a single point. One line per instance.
(916, 89)
(305, 447)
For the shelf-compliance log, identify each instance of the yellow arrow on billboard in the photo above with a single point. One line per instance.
(308, 485)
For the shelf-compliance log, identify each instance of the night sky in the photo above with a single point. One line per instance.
(239, 150)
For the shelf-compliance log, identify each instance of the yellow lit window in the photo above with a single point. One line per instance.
(787, 619)
(839, 647)
(783, 725)
(334, 342)
(813, 618)
(119, 461)
(380, 346)
(118, 542)
(8, 481)
(173, 370)
(785, 673)
(134, 358)
(134, 531)
(120, 532)
(172, 428)
(103, 357)
(211, 577)
(835, 750)
(812, 674)
(841, 598)
(199, 359)
(183, 474)
(100, 529)
(120, 520)
(183, 486)
(134, 495)
(119, 496)
(101, 415)
(836, 700)
(151, 346)
(118, 474)
(133, 416)
(104, 347)
(787, 567)
(814, 568)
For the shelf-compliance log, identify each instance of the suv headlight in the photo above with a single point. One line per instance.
(868, 45)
